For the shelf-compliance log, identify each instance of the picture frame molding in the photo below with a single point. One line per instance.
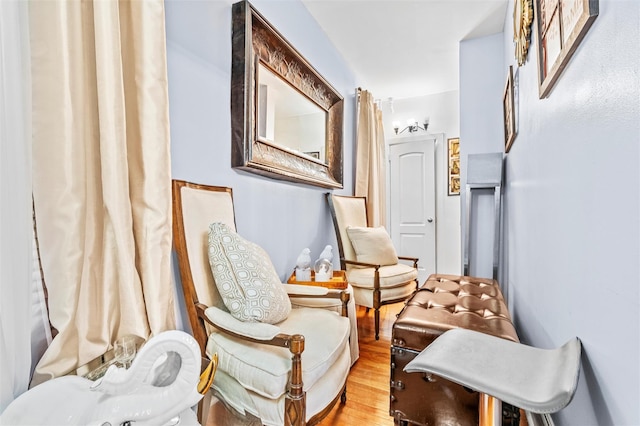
(509, 112)
(453, 166)
(559, 33)
(522, 23)
(254, 41)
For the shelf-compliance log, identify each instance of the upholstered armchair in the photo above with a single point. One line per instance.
(367, 255)
(276, 364)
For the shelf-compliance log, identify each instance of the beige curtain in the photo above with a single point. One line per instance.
(101, 173)
(371, 170)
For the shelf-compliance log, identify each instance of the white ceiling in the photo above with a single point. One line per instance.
(405, 48)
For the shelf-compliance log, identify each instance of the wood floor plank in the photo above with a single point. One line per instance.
(368, 382)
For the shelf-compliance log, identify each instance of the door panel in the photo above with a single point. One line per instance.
(412, 201)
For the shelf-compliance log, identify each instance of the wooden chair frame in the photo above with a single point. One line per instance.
(295, 403)
(377, 294)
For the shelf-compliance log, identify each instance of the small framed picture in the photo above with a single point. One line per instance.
(453, 154)
(509, 114)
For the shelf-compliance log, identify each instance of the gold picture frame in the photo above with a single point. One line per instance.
(509, 112)
(522, 20)
(561, 25)
(453, 154)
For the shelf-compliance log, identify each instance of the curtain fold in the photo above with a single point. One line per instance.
(101, 174)
(371, 166)
(16, 229)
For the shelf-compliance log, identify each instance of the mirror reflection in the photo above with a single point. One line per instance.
(288, 118)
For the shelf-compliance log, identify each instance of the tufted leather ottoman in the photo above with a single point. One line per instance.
(442, 303)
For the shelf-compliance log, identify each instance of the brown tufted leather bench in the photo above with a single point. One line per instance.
(442, 303)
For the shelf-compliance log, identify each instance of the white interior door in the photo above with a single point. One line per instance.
(412, 201)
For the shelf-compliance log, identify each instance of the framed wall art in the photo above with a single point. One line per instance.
(453, 152)
(509, 113)
(522, 20)
(561, 26)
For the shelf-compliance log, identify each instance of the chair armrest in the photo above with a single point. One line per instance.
(356, 263)
(412, 259)
(253, 330)
(281, 339)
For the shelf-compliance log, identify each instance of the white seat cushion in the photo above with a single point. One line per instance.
(270, 411)
(364, 296)
(336, 306)
(265, 369)
(390, 276)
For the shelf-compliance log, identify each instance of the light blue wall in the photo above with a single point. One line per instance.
(281, 217)
(481, 87)
(572, 208)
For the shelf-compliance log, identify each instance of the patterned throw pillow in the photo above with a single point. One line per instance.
(372, 245)
(244, 275)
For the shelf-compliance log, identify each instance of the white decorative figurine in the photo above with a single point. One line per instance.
(303, 266)
(323, 266)
(160, 388)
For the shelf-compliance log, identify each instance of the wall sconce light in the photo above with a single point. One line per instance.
(412, 126)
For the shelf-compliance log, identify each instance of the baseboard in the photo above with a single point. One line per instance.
(536, 419)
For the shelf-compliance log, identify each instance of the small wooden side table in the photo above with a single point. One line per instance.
(338, 282)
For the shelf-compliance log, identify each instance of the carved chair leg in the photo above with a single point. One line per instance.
(377, 302)
(294, 411)
(295, 402)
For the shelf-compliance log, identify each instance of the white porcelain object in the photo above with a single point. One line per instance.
(304, 259)
(303, 265)
(159, 388)
(323, 269)
(303, 274)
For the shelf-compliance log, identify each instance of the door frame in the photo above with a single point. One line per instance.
(438, 139)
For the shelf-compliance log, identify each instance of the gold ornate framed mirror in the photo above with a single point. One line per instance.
(286, 119)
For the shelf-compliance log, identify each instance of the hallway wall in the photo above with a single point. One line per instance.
(281, 217)
(572, 208)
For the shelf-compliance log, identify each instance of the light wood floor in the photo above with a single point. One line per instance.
(368, 382)
(367, 385)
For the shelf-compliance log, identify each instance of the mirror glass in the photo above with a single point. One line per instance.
(288, 118)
